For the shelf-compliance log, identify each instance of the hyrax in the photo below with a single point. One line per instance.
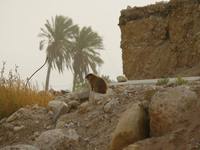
(97, 84)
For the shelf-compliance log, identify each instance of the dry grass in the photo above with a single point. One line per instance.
(14, 95)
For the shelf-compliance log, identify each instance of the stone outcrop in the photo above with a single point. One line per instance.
(161, 40)
(169, 108)
(132, 127)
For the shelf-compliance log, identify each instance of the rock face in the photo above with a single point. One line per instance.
(132, 127)
(161, 40)
(169, 108)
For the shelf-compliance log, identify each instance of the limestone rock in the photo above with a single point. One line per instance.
(20, 147)
(83, 95)
(18, 128)
(73, 104)
(172, 141)
(57, 139)
(169, 107)
(98, 98)
(108, 107)
(64, 121)
(80, 96)
(3, 120)
(58, 108)
(84, 107)
(132, 126)
(149, 144)
(15, 115)
(151, 45)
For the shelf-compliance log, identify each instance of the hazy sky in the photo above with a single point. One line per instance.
(21, 20)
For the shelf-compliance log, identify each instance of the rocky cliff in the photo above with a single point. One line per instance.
(161, 40)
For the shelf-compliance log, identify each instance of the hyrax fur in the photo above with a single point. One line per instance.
(97, 84)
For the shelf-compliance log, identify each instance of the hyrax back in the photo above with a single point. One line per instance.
(97, 84)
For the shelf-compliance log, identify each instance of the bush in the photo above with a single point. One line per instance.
(81, 85)
(163, 81)
(14, 94)
(180, 81)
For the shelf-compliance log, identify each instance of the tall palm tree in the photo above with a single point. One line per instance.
(57, 36)
(84, 53)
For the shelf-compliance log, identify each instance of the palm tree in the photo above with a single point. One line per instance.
(57, 36)
(84, 54)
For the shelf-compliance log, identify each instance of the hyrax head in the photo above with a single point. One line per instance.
(90, 76)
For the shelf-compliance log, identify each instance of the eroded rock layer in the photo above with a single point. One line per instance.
(161, 40)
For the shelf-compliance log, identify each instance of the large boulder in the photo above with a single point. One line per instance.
(61, 139)
(169, 142)
(132, 126)
(181, 139)
(169, 107)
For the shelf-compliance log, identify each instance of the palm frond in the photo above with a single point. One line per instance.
(85, 53)
(57, 35)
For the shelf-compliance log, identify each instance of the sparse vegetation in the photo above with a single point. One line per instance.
(162, 2)
(163, 81)
(180, 81)
(81, 85)
(14, 95)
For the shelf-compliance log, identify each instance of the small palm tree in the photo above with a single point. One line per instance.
(57, 36)
(84, 54)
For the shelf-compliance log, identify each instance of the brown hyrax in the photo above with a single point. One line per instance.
(97, 84)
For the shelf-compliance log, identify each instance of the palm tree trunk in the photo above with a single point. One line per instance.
(74, 82)
(48, 77)
(36, 72)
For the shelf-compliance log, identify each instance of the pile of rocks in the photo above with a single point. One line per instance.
(128, 117)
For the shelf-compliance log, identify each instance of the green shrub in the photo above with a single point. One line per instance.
(163, 81)
(180, 81)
